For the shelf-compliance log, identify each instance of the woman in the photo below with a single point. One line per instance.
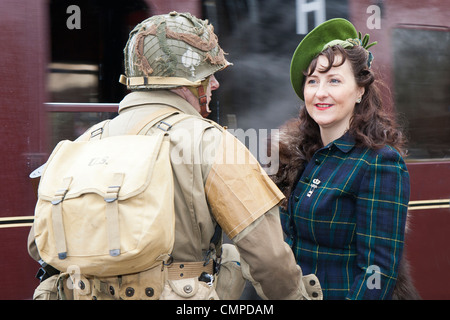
(342, 171)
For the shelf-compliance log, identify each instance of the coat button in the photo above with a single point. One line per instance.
(149, 292)
(129, 292)
(187, 288)
(111, 290)
(315, 294)
(307, 179)
(312, 282)
(317, 161)
(296, 198)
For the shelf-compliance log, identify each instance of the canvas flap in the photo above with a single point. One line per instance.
(93, 164)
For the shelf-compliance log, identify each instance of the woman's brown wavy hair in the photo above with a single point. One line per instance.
(371, 125)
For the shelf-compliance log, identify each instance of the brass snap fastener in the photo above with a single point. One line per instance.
(187, 288)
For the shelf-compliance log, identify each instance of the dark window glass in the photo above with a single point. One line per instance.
(86, 60)
(422, 88)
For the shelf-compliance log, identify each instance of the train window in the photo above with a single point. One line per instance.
(86, 60)
(422, 88)
(70, 125)
(70, 82)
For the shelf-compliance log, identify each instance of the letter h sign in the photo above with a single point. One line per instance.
(302, 9)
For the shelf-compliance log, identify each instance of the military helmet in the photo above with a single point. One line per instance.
(172, 50)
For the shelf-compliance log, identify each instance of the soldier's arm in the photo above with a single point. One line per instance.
(244, 202)
(268, 262)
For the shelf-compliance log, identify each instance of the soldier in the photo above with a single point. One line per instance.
(170, 60)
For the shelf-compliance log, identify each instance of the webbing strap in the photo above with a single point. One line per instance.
(166, 125)
(183, 270)
(171, 81)
(154, 117)
(112, 214)
(97, 133)
(57, 218)
(159, 116)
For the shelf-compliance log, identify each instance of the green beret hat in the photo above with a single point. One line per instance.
(315, 42)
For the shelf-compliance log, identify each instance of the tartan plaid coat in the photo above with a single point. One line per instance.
(345, 216)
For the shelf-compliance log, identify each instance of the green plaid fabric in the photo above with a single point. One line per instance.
(346, 219)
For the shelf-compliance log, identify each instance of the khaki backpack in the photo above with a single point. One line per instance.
(105, 206)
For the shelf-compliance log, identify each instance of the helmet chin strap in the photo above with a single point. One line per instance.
(200, 93)
(203, 101)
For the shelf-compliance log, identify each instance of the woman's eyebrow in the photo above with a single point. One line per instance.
(327, 74)
(333, 74)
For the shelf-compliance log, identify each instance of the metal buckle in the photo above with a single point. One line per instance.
(96, 132)
(112, 194)
(169, 126)
(59, 196)
(169, 261)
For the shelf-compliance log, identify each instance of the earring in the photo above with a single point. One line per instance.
(358, 100)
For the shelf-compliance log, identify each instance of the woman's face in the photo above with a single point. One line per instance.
(330, 97)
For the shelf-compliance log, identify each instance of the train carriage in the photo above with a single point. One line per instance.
(61, 60)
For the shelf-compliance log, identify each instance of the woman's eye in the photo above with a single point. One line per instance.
(311, 81)
(335, 81)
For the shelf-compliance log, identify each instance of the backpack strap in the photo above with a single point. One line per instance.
(112, 214)
(152, 119)
(101, 129)
(57, 219)
(168, 122)
(97, 130)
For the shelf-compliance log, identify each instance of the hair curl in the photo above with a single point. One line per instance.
(371, 124)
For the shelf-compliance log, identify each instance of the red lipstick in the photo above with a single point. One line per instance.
(323, 106)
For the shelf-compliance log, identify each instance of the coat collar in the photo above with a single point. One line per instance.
(139, 98)
(344, 143)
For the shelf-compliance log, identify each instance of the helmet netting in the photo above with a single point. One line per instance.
(173, 46)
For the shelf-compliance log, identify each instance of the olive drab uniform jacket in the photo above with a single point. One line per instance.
(210, 190)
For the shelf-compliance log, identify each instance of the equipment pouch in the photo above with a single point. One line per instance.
(47, 289)
(188, 289)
